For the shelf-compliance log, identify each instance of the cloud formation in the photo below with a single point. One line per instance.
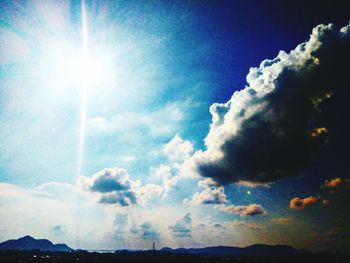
(148, 232)
(114, 186)
(119, 223)
(211, 195)
(244, 210)
(59, 231)
(182, 227)
(290, 111)
(169, 180)
(337, 183)
(178, 149)
(300, 203)
(243, 224)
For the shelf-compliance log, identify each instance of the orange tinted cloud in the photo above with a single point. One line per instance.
(300, 203)
(337, 182)
(333, 183)
(317, 132)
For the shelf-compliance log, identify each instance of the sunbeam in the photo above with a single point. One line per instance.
(83, 82)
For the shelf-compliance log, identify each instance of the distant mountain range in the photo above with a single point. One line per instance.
(254, 250)
(30, 243)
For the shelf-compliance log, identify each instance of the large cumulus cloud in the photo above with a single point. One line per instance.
(292, 111)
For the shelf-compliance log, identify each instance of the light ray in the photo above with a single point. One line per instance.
(83, 90)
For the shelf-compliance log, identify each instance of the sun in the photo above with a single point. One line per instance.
(84, 71)
(67, 65)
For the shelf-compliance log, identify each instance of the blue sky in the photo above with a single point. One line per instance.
(157, 165)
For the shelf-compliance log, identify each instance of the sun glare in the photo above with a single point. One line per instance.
(84, 71)
(66, 67)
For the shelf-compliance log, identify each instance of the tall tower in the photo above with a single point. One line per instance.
(154, 246)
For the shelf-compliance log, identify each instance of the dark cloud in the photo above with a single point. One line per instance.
(122, 198)
(217, 225)
(114, 186)
(182, 227)
(111, 181)
(293, 113)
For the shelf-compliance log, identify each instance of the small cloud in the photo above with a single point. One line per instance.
(337, 183)
(59, 231)
(178, 149)
(300, 203)
(114, 186)
(148, 232)
(218, 226)
(209, 196)
(182, 227)
(244, 210)
(253, 184)
(128, 158)
(119, 224)
(283, 220)
(243, 224)
(169, 180)
(207, 182)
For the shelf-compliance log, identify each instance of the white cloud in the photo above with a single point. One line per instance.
(178, 149)
(209, 196)
(165, 174)
(244, 210)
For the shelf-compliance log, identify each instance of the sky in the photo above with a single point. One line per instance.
(184, 123)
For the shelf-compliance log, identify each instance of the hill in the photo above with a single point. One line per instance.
(254, 250)
(30, 243)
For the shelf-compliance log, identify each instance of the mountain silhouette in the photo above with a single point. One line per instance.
(30, 243)
(254, 250)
